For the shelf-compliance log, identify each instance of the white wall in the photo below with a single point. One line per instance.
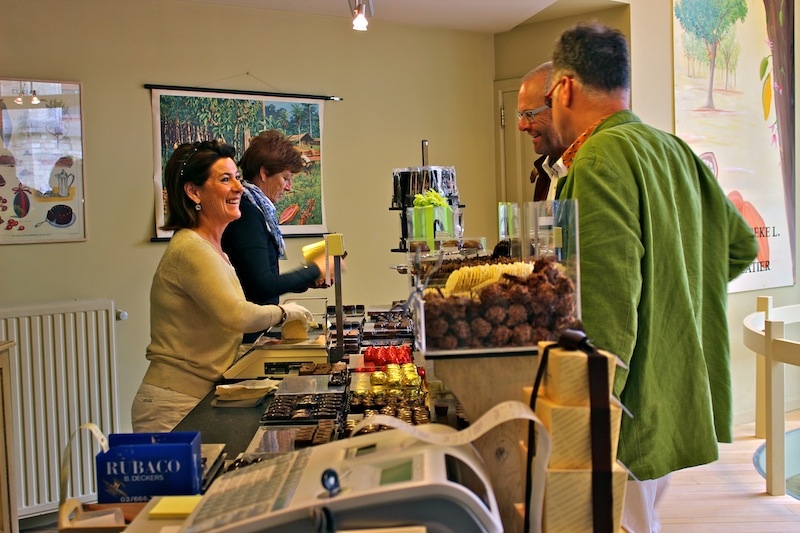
(400, 85)
(648, 23)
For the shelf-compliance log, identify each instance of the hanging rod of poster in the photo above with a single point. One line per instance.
(188, 114)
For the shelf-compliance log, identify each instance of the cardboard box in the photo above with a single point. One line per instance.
(566, 379)
(568, 500)
(73, 518)
(138, 466)
(571, 433)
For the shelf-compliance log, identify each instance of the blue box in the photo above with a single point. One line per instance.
(138, 466)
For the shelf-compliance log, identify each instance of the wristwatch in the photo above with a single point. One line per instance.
(283, 316)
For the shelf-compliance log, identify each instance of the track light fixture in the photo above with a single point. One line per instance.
(360, 21)
(19, 100)
(359, 10)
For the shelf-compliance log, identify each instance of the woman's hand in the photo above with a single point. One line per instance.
(322, 261)
(296, 311)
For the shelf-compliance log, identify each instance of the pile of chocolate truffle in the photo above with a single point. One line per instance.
(513, 312)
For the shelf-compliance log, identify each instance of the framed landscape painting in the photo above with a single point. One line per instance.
(183, 115)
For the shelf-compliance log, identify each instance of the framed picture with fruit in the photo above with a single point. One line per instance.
(186, 114)
(41, 162)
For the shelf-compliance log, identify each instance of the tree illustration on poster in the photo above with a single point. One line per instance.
(183, 115)
(734, 105)
(780, 28)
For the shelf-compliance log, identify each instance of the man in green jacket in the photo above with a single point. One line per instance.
(659, 242)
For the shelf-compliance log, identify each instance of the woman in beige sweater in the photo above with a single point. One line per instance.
(198, 311)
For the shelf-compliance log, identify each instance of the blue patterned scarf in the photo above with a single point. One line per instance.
(267, 208)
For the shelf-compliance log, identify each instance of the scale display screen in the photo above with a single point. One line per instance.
(397, 473)
(364, 450)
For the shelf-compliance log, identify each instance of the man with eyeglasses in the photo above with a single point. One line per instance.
(659, 242)
(535, 119)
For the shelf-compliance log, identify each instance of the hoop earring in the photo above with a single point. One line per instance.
(197, 207)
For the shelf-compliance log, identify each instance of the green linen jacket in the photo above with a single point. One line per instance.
(659, 241)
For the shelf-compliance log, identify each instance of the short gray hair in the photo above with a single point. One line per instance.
(546, 67)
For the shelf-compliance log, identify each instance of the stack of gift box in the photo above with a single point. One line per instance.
(563, 406)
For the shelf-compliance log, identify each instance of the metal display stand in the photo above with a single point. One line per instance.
(337, 350)
(334, 247)
(404, 198)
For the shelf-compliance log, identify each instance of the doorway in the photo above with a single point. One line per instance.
(515, 154)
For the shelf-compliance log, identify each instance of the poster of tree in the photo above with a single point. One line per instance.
(734, 104)
(186, 115)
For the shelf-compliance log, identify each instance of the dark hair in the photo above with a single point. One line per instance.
(272, 151)
(190, 163)
(595, 54)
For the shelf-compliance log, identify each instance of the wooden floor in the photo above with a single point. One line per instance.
(729, 495)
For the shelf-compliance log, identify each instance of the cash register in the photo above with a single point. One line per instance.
(382, 479)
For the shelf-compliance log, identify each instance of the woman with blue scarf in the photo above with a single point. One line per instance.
(254, 242)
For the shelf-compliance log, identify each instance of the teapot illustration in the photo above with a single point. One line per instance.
(65, 181)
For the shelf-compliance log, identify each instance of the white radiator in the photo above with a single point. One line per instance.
(63, 373)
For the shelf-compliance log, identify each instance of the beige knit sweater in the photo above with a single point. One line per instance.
(198, 314)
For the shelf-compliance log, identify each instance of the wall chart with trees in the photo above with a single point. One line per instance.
(734, 104)
(183, 115)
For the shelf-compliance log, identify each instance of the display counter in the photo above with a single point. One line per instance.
(236, 426)
(468, 374)
(483, 374)
(232, 426)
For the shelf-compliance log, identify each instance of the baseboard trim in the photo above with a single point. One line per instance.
(750, 416)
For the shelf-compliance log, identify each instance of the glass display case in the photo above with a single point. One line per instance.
(500, 302)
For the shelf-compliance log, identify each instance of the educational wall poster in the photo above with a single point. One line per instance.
(734, 105)
(41, 162)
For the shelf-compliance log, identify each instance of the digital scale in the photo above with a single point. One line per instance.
(278, 358)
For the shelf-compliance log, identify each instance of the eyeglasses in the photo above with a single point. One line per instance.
(530, 114)
(548, 98)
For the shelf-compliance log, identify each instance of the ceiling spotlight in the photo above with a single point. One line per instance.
(34, 99)
(360, 21)
(359, 10)
(18, 99)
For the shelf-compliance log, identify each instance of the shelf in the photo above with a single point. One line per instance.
(460, 206)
